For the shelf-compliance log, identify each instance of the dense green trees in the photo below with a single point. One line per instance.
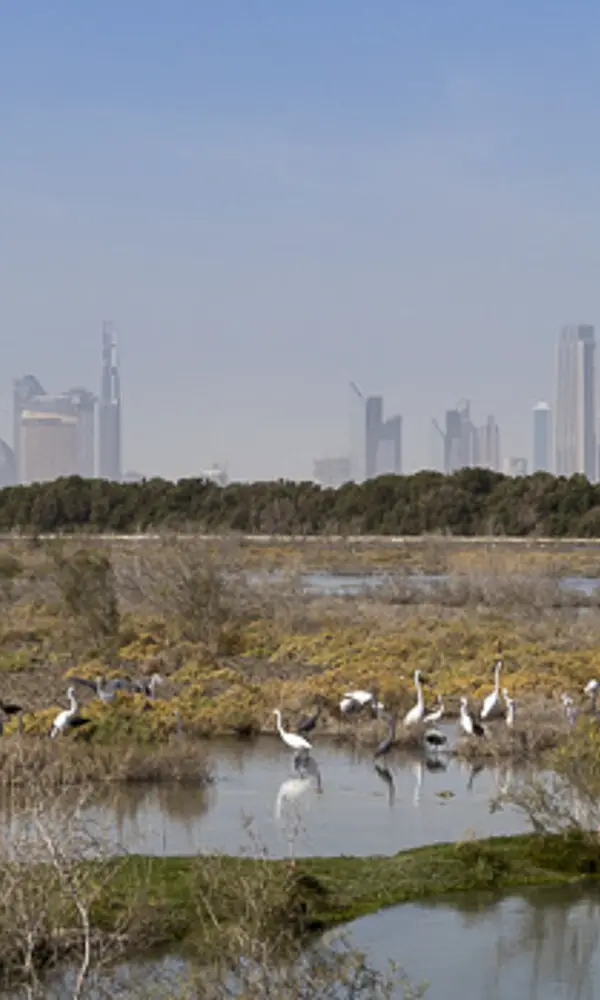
(470, 502)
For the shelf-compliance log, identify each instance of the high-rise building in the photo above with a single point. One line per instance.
(53, 435)
(542, 431)
(383, 440)
(576, 402)
(486, 445)
(109, 451)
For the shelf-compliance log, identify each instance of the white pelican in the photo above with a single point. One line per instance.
(291, 740)
(492, 706)
(468, 722)
(63, 719)
(417, 712)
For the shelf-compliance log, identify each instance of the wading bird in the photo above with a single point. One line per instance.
(492, 705)
(510, 709)
(434, 738)
(148, 687)
(435, 714)
(355, 701)
(468, 722)
(68, 717)
(105, 689)
(417, 712)
(292, 740)
(386, 745)
(308, 723)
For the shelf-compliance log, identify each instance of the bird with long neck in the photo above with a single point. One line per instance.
(492, 705)
(417, 712)
(64, 718)
(291, 740)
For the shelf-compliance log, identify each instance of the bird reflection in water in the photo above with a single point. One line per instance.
(388, 778)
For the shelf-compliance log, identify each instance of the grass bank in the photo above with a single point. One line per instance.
(204, 901)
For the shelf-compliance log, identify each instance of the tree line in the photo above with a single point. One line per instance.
(469, 502)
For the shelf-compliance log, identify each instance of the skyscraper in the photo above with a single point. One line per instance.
(542, 420)
(53, 435)
(576, 402)
(486, 445)
(109, 464)
(383, 440)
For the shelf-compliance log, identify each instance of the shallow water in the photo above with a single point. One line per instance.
(354, 584)
(258, 802)
(540, 945)
(544, 945)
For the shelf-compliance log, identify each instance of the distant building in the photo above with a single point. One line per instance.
(376, 444)
(43, 421)
(486, 445)
(8, 469)
(576, 402)
(109, 441)
(332, 472)
(49, 446)
(515, 467)
(542, 430)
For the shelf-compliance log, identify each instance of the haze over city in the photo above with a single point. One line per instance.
(272, 200)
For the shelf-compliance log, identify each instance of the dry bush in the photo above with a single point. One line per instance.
(66, 762)
(86, 585)
(563, 793)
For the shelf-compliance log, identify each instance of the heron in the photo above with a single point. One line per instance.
(386, 745)
(435, 714)
(417, 712)
(492, 705)
(292, 740)
(68, 717)
(308, 723)
(106, 690)
(468, 722)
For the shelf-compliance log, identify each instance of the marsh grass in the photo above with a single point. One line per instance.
(67, 763)
(232, 648)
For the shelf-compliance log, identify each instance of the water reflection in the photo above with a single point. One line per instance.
(409, 801)
(541, 946)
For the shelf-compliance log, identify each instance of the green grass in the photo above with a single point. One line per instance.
(173, 896)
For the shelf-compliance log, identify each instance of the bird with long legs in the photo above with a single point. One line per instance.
(386, 745)
(298, 744)
(416, 713)
(106, 690)
(69, 717)
(435, 714)
(492, 707)
(467, 721)
(308, 722)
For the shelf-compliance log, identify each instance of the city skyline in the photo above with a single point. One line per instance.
(269, 206)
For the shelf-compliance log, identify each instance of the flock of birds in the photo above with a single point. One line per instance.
(105, 690)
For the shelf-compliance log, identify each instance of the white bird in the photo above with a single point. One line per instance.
(510, 709)
(417, 712)
(292, 740)
(63, 719)
(492, 706)
(436, 714)
(592, 688)
(571, 712)
(355, 701)
(468, 722)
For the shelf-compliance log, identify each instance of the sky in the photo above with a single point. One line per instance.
(270, 199)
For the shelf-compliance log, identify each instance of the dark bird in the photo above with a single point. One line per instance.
(468, 722)
(388, 742)
(434, 738)
(307, 724)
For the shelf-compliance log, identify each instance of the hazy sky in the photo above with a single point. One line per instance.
(271, 198)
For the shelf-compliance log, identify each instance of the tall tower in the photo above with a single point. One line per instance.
(576, 402)
(542, 418)
(109, 464)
